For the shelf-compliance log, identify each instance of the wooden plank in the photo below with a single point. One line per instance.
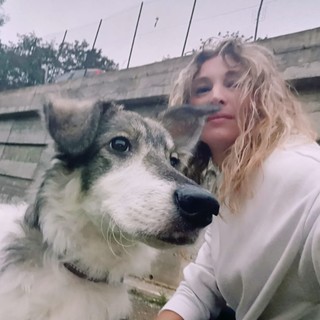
(28, 131)
(17, 169)
(16, 98)
(13, 189)
(5, 129)
(1, 150)
(145, 110)
(11, 110)
(22, 153)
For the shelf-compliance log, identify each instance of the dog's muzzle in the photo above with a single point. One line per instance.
(196, 205)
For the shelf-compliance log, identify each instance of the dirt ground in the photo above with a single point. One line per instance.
(147, 297)
(142, 309)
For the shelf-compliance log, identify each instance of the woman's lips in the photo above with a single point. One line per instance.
(219, 117)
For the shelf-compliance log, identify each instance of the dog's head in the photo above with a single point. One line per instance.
(124, 170)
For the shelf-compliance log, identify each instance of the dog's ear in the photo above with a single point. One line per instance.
(185, 123)
(73, 124)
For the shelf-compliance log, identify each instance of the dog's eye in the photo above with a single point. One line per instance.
(174, 159)
(120, 144)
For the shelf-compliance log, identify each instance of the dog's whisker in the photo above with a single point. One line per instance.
(130, 242)
(102, 229)
(131, 239)
(119, 241)
(112, 225)
(122, 245)
(107, 239)
(115, 237)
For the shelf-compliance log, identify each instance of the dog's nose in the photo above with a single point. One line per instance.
(196, 205)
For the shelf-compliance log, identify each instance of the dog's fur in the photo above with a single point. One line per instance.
(100, 206)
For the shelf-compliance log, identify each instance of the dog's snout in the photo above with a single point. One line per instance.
(196, 205)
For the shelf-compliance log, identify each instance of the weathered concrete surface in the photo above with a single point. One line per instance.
(146, 83)
(147, 298)
(298, 56)
(142, 309)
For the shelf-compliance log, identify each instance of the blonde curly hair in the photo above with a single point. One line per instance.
(272, 115)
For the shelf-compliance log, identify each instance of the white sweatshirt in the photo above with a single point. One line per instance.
(265, 260)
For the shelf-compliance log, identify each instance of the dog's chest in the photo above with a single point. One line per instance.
(50, 295)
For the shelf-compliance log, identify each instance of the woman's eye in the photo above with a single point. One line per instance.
(201, 90)
(174, 160)
(120, 144)
(230, 84)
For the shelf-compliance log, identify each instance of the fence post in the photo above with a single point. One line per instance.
(96, 36)
(93, 45)
(185, 41)
(257, 21)
(54, 71)
(135, 33)
(62, 43)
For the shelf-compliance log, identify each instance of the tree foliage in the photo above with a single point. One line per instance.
(32, 61)
(3, 17)
(211, 42)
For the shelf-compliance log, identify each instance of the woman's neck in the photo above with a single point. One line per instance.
(217, 156)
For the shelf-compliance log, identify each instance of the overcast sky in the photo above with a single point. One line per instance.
(163, 23)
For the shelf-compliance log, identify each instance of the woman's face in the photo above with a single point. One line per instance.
(215, 84)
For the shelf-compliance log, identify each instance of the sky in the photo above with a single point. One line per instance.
(162, 26)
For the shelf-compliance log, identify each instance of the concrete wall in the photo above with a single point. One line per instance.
(145, 90)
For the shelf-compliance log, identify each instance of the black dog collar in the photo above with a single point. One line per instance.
(82, 275)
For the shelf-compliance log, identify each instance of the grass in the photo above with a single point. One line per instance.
(159, 301)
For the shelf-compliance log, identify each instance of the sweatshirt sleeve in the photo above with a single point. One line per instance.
(309, 267)
(316, 250)
(197, 296)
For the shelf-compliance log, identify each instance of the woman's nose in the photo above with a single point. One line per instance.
(217, 95)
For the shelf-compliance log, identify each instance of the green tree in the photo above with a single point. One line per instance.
(77, 55)
(3, 17)
(31, 60)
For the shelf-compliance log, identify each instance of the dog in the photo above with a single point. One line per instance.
(112, 194)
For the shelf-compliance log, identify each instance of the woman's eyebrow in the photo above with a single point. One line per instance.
(233, 73)
(200, 79)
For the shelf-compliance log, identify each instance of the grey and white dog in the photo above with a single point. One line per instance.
(112, 193)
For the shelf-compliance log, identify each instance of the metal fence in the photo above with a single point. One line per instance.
(155, 30)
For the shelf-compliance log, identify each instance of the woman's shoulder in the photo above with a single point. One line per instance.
(292, 171)
(297, 150)
(295, 157)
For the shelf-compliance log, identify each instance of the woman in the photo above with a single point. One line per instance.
(261, 255)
